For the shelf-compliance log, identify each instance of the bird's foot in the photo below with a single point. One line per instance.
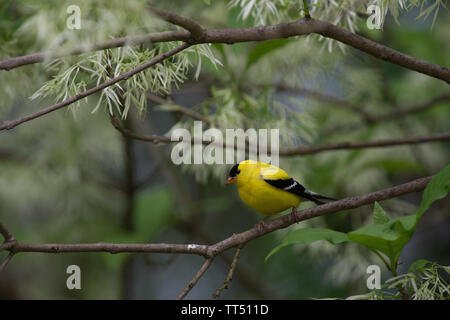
(294, 214)
(260, 225)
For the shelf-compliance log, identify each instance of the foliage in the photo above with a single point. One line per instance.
(386, 237)
(420, 283)
(60, 174)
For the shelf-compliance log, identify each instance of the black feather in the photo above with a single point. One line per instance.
(294, 187)
(234, 171)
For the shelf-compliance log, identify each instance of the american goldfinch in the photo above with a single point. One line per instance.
(268, 189)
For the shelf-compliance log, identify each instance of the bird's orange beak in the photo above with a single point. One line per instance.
(231, 180)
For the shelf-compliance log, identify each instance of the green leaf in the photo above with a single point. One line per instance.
(385, 235)
(208, 2)
(437, 189)
(418, 265)
(391, 237)
(263, 48)
(309, 235)
(379, 215)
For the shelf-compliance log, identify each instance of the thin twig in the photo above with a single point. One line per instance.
(9, 240)
(165, 36)
(193, 27)
(11, 124)
(230, 273)
(195, 279)
(5, 233)
(165, 139)
(403, 111)
(327, 98)
(178, 108)
(302, 150)
(128, 133)
(398, 113)
(306, 9)
(6, 261)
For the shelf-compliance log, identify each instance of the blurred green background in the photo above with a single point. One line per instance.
(70, 177)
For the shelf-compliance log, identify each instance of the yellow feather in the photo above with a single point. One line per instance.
(258, 194)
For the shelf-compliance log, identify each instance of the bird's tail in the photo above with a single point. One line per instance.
(317, 198)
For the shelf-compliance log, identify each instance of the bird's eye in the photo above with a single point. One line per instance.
(234, 171)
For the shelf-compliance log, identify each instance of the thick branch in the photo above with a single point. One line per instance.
(385, 53)
(11, 124)
(233, 241)
(106, 247)
(284, 30)
(236, 240)
(344, 204)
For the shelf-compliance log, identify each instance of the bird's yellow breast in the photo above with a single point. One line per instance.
(261, 196)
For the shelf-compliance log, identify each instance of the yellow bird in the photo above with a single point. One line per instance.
(268, 189)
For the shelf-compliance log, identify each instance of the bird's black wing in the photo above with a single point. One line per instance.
(292, 186)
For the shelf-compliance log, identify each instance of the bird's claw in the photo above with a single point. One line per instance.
(294, 214)
(260, 225)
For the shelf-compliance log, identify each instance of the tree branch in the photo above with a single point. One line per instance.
(303, 150)
(230, 273)
(9, 240)
(5, 233)
(106, 247)
(385, 53)
(165, 36)
(129, 187)
(195, 279)
(197, 32)
(327, 98)
(236, 240)
(11, 124)
(396, 114)
(331, 207)
(401, 112)
(178, 108)
(301, 27)
(6, 261)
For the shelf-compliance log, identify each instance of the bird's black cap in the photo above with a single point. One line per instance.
(234, 171)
